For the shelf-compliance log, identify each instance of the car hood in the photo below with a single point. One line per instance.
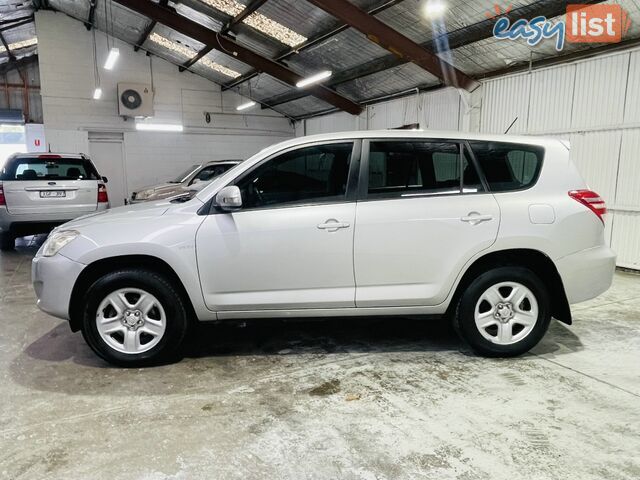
(129, 213)
(160, 187)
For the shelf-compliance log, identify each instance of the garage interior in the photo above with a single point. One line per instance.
(370, 398)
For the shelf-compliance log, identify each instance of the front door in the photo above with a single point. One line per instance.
(424, 213)
(291, 244)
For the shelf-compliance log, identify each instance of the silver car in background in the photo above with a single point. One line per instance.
(41, 191)
(185, 182)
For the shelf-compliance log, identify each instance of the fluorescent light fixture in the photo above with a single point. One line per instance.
(97, 93)
(189, 53)
(260, 22)
(114, 53)
(434, 8)
(246, 105)
(159, 127)
(318, 77)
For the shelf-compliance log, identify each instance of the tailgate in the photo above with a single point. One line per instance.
(74, 197)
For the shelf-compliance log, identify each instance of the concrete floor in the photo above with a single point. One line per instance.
(344, 399)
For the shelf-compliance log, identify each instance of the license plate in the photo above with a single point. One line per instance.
(53, 194)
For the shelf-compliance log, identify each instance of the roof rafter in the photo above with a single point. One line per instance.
(321, 37)
(397, 43)
(248, 10)
(458, 38)
(226, 45)
(147, 31)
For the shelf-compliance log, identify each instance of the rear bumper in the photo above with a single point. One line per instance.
(588, 273)
(28, 224)
(53, 279)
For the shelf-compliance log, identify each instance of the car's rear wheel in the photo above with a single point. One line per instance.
(134, 318)
(7, 241)
(504, 312)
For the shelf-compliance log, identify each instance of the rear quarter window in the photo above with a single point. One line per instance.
(29, 169)
(508, 166)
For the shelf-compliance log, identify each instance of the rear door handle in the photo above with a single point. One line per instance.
(333, 225)
(474, 218)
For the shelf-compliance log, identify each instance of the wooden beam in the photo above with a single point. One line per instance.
(226, 45)
(251, 7)
(458, 38)
(398, 44)
(147, 31)
(326, 35)
(186, 65)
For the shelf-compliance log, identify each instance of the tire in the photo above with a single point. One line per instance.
(7, 242)
(134, 318)
(496, 323)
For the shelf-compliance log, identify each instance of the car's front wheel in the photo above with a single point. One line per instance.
(134, 317)
(504, 312)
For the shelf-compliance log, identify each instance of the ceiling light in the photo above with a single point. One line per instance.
(434, 8)
(189, 53)
(114, 53)
(97, 93)
(313, 79)
(260, 22)
(159, 127)
(21, 44)
(246, 105)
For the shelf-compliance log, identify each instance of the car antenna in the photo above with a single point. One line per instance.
(512, 123)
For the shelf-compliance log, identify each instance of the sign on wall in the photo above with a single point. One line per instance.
(34, 137)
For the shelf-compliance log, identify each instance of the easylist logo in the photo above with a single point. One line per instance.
(583, 24)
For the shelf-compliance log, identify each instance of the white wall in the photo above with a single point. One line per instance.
(66, 70)
(594, 103)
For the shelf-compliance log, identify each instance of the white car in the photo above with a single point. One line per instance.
(499, 233)
(41, 191)
(194, 179)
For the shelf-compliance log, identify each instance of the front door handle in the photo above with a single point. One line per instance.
(474, 218)
(333, 225)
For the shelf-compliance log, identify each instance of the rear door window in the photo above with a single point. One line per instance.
(415, 167)
(508, 166)
(29, 169)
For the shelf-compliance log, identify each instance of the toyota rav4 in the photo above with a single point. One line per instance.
(498, 233)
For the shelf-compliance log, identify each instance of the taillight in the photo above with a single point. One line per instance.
(591, 200)
(102, 193)
(2, 200)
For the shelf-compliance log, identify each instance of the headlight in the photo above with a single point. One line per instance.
(144, 194)
(56, 241)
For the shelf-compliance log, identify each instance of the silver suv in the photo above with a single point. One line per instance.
(193, 179)
(41, 191)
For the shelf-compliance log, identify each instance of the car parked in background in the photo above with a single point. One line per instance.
(41, 191)
(189, 180)
(496, 232)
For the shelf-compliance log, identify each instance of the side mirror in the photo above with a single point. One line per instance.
(229, 198)
(105, 179)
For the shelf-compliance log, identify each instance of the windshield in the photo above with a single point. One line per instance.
(49, 168)
(185, 175)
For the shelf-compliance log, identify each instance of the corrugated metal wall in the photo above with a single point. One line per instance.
(594, 103)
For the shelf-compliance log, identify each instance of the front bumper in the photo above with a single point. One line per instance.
(53, 279)
(588, 273)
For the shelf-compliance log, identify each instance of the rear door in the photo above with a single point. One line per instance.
(50, 184)
(422, 214)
